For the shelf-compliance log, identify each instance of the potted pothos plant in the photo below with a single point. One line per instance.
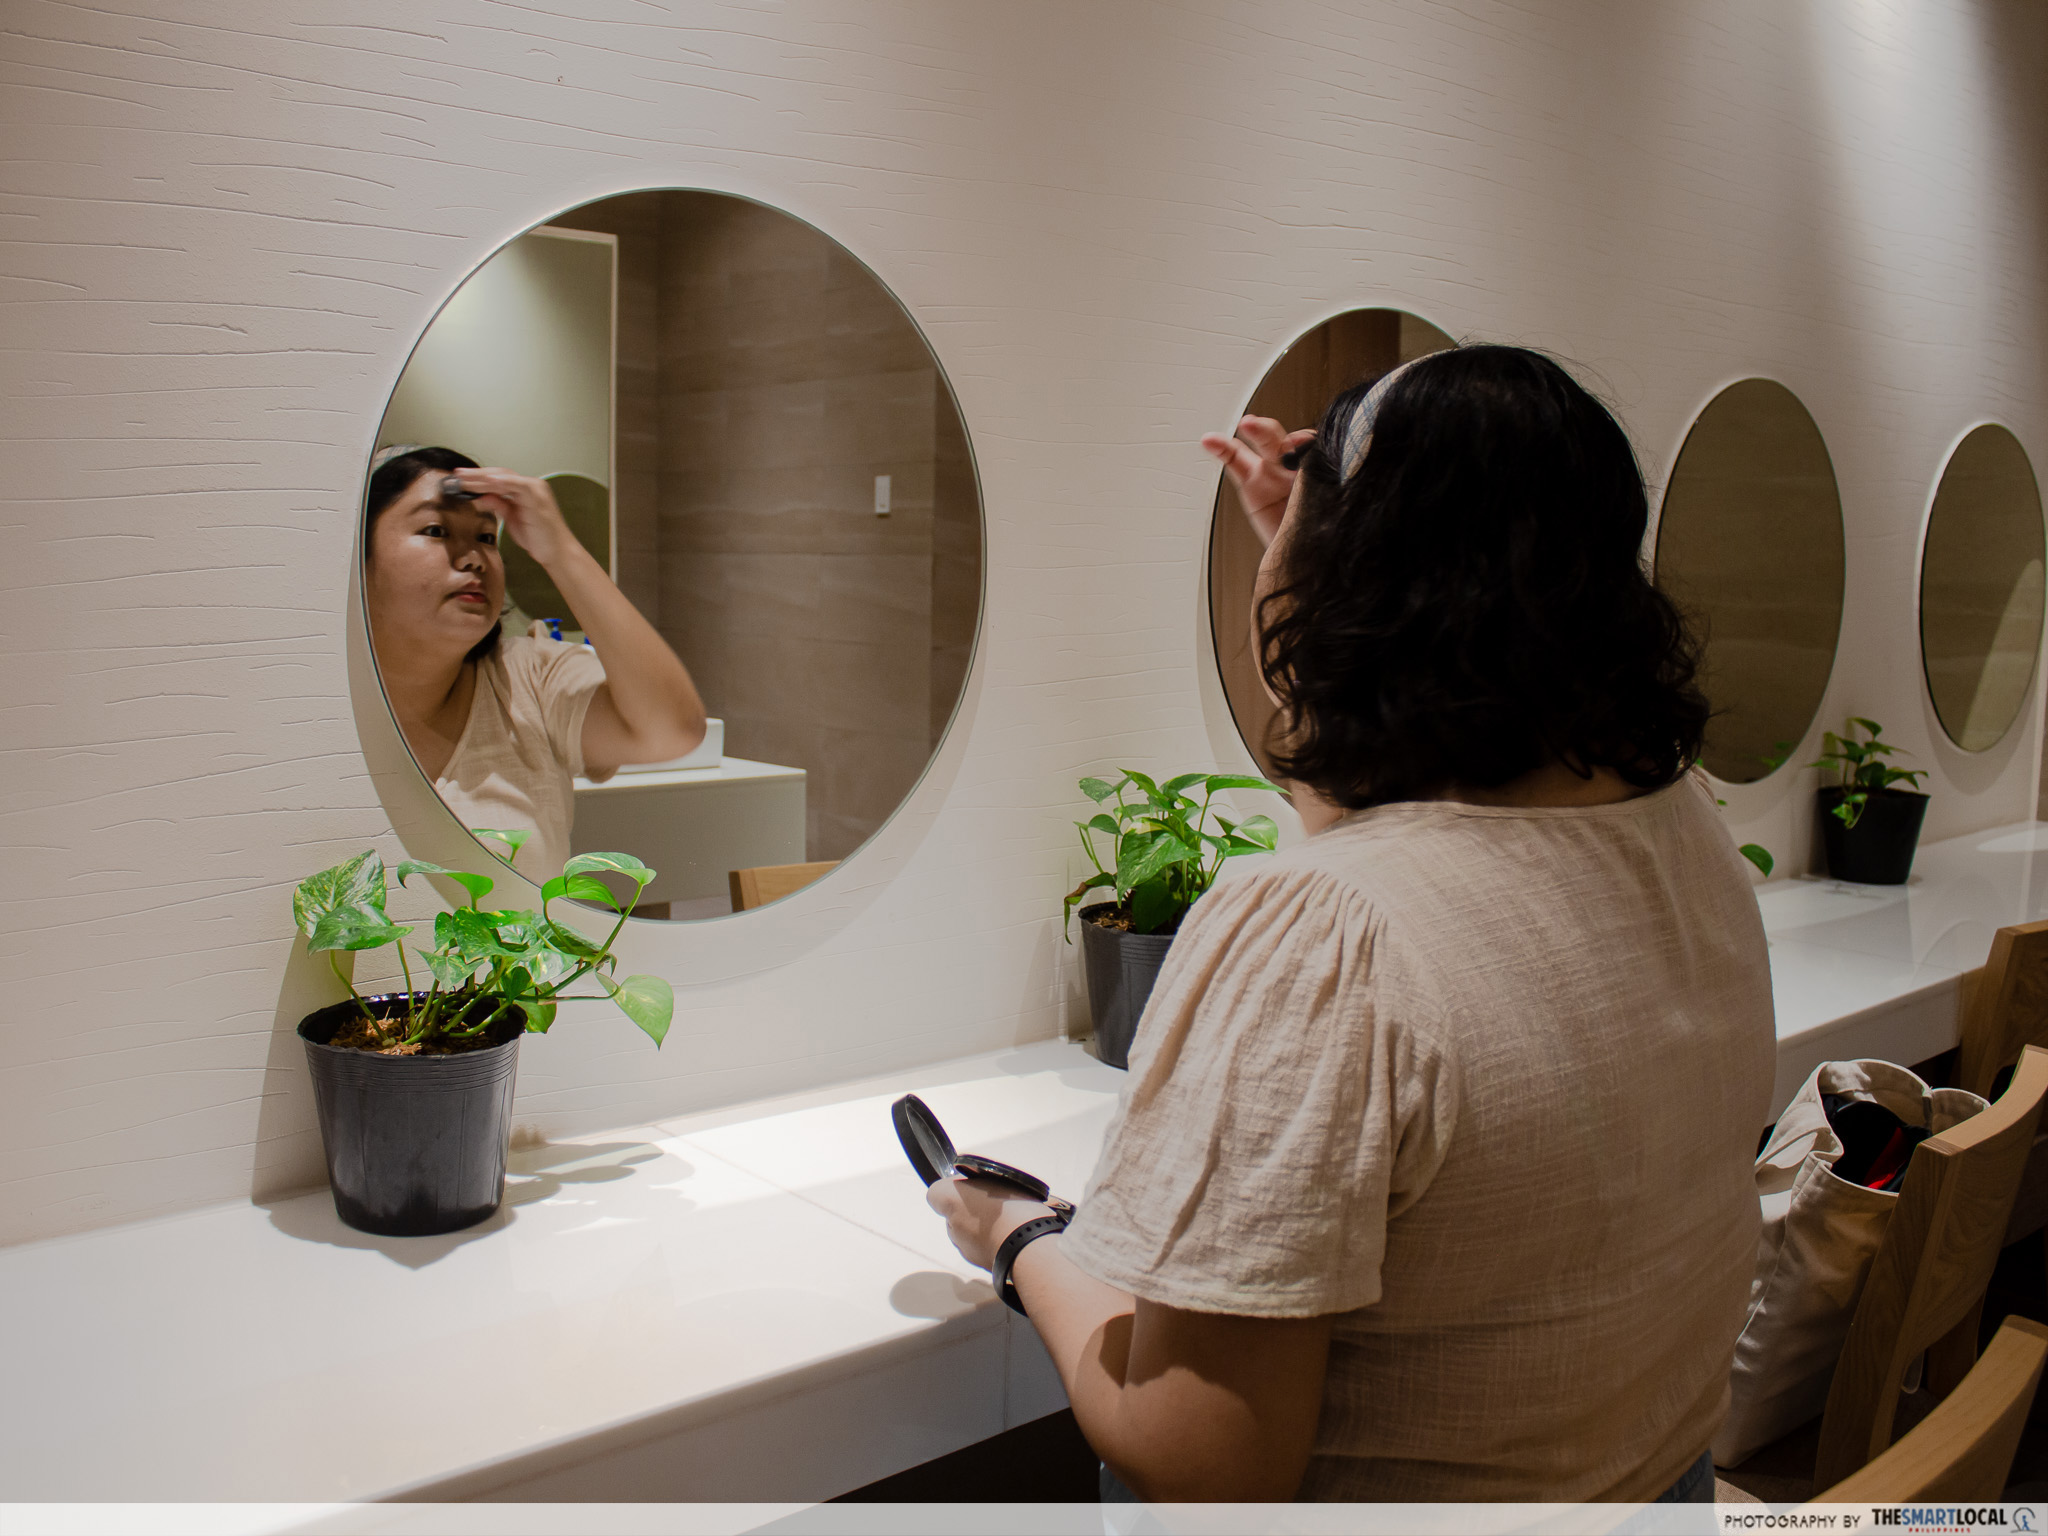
(1165, 849)
(1869, 826)
(414, 1088)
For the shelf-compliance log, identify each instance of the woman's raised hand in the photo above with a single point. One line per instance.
(528, 510)
(1252, 460)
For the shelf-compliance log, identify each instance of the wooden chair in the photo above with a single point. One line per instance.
(2004, 1010)
(771, 882)
(1926, 1287)
(1963, 1450)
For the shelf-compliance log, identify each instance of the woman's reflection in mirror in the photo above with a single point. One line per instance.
(503, 724)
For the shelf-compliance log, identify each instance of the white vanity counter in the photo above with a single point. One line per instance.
(723, 1307)
(1871, 970)
(749, 1304)
(693, 826)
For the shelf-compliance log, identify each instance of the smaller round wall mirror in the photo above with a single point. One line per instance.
(1344, 350)
(1749, 544)
(1981, 580)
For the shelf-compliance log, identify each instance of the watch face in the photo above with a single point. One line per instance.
(925, 1141)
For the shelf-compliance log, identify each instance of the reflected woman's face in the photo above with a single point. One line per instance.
(434, 578)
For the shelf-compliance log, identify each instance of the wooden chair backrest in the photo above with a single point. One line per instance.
(1926, 1285)
(771, 882)
(1963, 1450)
(2005, 1006)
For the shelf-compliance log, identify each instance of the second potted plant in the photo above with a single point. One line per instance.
(1166, 849)
(1869, 826)
(414, 1088)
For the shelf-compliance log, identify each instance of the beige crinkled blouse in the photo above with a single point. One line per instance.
(522, 749)
(1486, 1081)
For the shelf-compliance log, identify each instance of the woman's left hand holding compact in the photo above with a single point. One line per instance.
(980, 1214)
(528, 509)
(1148, 1382)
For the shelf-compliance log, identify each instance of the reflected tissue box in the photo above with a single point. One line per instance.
(709, 753)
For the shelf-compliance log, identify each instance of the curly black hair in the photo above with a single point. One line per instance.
(1470, 603)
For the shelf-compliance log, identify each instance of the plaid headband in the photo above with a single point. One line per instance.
(1357, 434)
(392, 451)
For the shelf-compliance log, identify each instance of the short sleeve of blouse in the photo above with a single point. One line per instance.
(1284, 1104)
(561, 681)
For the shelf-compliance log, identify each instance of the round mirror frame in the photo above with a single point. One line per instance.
(1752, 465)
(975, 608)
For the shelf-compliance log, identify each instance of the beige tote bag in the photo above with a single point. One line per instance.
(1820, 1234)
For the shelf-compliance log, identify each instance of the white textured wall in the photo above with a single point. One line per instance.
(225, 224)
(518, 369)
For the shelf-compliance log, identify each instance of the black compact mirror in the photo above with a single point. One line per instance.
(931, 1153)
(925, 1141)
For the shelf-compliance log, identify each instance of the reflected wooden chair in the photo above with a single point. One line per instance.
(2004, 1010)
(1963, 1450)
(771, 882)
(1925, 1293)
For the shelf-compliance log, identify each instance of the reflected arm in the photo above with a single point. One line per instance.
(648, 709)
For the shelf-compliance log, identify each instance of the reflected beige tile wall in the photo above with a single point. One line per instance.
(789, 380)
(1750, 544)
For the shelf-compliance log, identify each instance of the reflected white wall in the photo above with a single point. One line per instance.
(516, 371)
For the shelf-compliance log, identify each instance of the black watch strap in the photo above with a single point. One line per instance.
(1014, 1244)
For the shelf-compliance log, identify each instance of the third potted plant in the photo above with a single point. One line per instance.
(1870, 827)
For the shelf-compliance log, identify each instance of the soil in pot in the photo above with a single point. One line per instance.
(1879, 849)
(415, 1142)
(356, 1034)
(1121, 967)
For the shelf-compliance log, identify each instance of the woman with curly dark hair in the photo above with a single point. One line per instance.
(1433, 1177)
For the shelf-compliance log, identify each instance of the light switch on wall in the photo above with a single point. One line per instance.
(881, 495)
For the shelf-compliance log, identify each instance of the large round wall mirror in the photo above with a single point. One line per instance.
(1981, 588)
(719, 611)
(1749, 544)
(1347, 349)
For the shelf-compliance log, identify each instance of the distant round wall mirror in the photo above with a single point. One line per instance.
(1981, 588)
(718, 608)
(1749, 544)
(1347, 349)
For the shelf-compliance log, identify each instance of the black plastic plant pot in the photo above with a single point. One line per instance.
(1879, 849)
(1121, 968)
(415, 1144)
